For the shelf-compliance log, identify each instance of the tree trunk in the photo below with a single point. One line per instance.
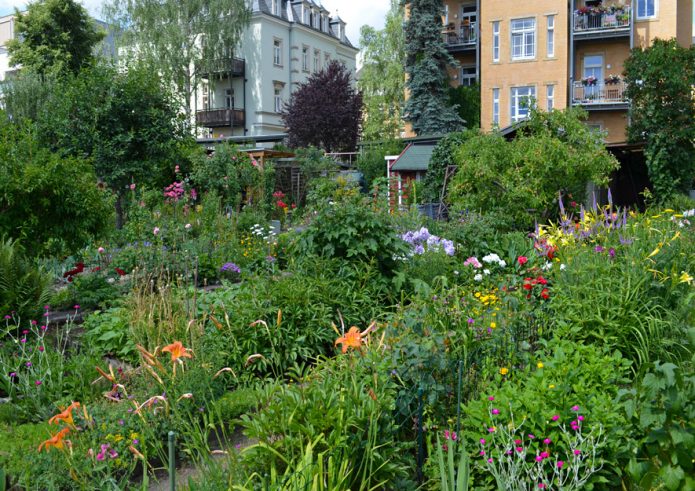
(119, 211)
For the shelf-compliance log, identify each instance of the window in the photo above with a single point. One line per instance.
(646, 9)
(524, 39)
(275, 7)
(551, 36)
(496, 41)
(278, 98)
(467, 76)
(550, 97)
(522, 99)
(206, 96)
(496, 107)
(307, 16)
(317, 60)
(305, 58)
(327, 59)
(277, 52)
(229, 98)
(446, 14)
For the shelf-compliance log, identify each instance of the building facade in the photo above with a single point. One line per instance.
(287, 41)
(559, 53)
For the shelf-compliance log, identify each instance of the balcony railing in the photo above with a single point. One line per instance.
(599, 93)
(223, 66)
(589, 20)
(216, 118)
(466, 35)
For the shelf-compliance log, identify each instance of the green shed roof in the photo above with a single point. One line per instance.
(415, 157)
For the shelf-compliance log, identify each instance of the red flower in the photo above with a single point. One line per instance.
(522, 260)
(528, 285)
(542, 280)
(545, 294)
(294, 206)
(79, 267)
(94, 270)
(120, 272)
(281, 204)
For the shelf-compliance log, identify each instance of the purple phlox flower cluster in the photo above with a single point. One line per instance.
(422, 241)
(230, 267)
(174, 191)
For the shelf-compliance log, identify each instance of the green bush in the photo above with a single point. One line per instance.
(24, 288)
(443, 155)
(108, 334)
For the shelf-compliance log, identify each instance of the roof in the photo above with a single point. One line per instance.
(414, 157)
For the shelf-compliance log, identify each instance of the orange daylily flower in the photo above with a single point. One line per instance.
(177, 351)
(352, 339)
(56, 440)
(65, 416)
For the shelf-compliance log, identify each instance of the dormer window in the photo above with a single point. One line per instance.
(276, 7)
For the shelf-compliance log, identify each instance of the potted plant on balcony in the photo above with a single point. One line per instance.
(589, 81)
(612, 80)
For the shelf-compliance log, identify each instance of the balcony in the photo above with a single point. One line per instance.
(461, 39)
(217, 118)
(600, 23)
(222, 67)
(605, 95)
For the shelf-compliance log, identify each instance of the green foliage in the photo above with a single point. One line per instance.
(659, 86)
(227, 172)
(51, 203)
(381, 79)
(179, 40)
(24, 288)
(443, 155)
(371, 162)
(453, 478)
(108, 334)
(53, 36)
(352, 424)
(554, 153)
(353, 231)
(660, 411)
(467, 99)
(92, 291)
(235, 404)
(427, 107)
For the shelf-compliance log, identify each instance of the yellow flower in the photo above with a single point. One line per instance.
(539, 364)
(685, 278)
(655, 251)
(504, 371)
(551, 386)
(117, 438)
(493, 325)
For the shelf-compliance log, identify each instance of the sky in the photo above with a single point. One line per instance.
(355, 13)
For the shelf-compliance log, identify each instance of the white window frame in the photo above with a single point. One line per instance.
(229, 98)
(550, 42)
(277, 52)
(515, 104)
(317, 60)
(277, 98)
(470, 77)
(496, 107)
(446, 14)
(550, 97)
(644, 6)
(305, 58)
(526, 34)
(496, 41)
(274, 8)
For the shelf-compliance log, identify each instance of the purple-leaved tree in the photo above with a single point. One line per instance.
(325, 111)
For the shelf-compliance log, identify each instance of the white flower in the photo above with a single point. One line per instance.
(562, 267)
(110, 281)
(486, 271)
(502, 263)
(188, 226)
(491, 258)
(689, 213)
(547, 266)
(478, 277)
(456, 273)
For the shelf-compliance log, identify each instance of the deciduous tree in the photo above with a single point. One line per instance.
(325, 111)
(55, 36)
(381, 82)
(660, 82)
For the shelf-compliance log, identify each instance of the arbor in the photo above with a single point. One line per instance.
(521, 180)
(53, 36)
(178, 39)
(427, 107)
(659, 87)
(381, 80)
(325, 111)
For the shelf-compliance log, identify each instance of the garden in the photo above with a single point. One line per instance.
(259, 340)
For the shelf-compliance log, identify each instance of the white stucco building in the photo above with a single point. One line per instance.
(6, 33)
(285, 42)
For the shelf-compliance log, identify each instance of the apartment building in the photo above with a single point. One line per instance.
(7, 32)
(286, 42)
(559, 53)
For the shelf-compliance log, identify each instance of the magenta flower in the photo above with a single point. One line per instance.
(13, 374)
(539, 458)
(519, 449)
(482, 452)
(76, 307)
(575, 408)
(25, 331)
(560, 464)
(547, 441)
(531, 436)
(541, 485)
(33, 323)
(46, 307)
(577, 451)
(580, 417)
(555, 417)
(495, 411)
(491, 398)
(37, 383)
(41, 348)
(28, 364)
(155, 231)
(518, 442)
(489, 461)
(482, 441)
(490, 430)
(43, 328)
(545, 455)
(8, 317)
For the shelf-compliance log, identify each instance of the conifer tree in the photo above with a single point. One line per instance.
(427, 108)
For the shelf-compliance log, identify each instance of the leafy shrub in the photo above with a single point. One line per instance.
(352, 231)
(553, 153)
(371, 162)
(234, 404)
(108, 333)
(443, 155)
(24, 288)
